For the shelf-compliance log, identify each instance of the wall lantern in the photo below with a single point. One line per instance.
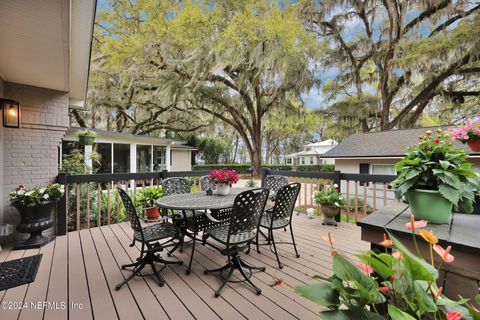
(11, 113)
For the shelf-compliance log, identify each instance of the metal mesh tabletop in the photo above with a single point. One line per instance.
(199, 200)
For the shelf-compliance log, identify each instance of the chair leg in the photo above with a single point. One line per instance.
(160, 279)
(280, 265)
(224, 282)
(130, 277)
(135, 264)
(250, 267)
(225, 267)
(256, 242)
(189, 269)
(180, 243)
(133, 243)
(293, 240)
(284, 229)
(258, 291)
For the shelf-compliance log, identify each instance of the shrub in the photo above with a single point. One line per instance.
(146, 197)
(247, 168)
(359, 207)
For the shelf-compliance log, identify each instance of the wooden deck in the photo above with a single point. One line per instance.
(81, 269)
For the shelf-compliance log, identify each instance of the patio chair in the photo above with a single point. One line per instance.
(149, 238)
(274, 183)
(280, 216)
(235, 236)
(206, 184)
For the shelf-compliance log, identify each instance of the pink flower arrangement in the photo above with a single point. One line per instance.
(468, 131)
(223, 177)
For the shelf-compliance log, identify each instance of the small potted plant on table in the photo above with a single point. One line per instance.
(330, 201)
(86, 137)
(223, 180)
(35, 205)
(468, 133)
(435, 176)
(146, 199)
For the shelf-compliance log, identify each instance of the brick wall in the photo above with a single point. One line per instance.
(30, 153)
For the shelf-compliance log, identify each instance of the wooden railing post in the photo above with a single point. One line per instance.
(337, 180)
(62, 207)
(264, 175)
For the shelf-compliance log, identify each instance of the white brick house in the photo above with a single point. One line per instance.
(44, 66)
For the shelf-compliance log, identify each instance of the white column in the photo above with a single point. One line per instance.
(112, 159)
(167, 157)
(151, 158)
(133, 157)
(88, 158)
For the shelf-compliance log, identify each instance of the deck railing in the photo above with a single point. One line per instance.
(364, 193)
(92, 200)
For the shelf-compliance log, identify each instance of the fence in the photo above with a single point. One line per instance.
(92, 200)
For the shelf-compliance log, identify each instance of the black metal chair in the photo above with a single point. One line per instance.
(280, 216)
(206, 184)
(274, 183)
(235, 236)
(149, 238)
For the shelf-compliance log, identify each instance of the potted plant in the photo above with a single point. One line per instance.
(86, 137)
(435, 176)
(468, 133)
(223, 180)
(395, 286)
(35, 205)
(330, 201)
(146, 199)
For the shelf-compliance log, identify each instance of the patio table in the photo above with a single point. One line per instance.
(201, 205)
(462, 232)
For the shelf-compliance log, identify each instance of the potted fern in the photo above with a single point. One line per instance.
(434, 176)
(146, 199)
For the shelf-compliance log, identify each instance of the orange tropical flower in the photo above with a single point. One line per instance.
(428, 236)
(454, 316)
(414, 225)
(444, 253)
(327, 239)
(438, 292)
(387, 243)
(385, 289)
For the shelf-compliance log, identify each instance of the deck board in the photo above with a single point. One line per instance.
(84, 267)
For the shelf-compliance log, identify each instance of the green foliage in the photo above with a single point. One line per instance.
(86, 132)
(359, 205)
(246, 168)
(212, 148)
(36, 196)
(330, 196)
(74, 163)
(406, 287)
(435, 164)
(146, 197)
(251, 183)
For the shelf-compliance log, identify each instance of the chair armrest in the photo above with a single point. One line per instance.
(209, 216)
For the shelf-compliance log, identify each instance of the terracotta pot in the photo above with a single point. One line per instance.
(474, 144)
(152, 213)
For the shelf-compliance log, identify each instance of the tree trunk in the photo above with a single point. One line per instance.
(256, 151)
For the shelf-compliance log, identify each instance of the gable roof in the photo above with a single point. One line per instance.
(382, 144)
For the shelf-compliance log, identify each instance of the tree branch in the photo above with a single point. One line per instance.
(453, 19)
(431, 10)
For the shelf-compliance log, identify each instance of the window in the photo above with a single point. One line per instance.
(104, 150)
(388, 169)
(289, 161)
(121, 158)
(303, 160)
(144, 157)
(364, 168)
(159, 158)
(311, 160)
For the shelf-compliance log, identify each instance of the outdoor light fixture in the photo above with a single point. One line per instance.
(11, 113)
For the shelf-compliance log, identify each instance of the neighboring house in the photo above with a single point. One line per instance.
(134, 153)
(44, 62)
(378, 152)
(312, 153)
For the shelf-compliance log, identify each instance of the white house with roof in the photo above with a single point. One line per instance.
(312, 153)
(130, 153)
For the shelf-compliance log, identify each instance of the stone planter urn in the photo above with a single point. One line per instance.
(34, 221)
(329, 214)
(222, 189)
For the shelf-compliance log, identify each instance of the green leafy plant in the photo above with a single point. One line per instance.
(147, 196)
(394, 286)
(330, 196)
(36, 196)
(436, 164)
(86, 133)
(251, 183)
(359, 205)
